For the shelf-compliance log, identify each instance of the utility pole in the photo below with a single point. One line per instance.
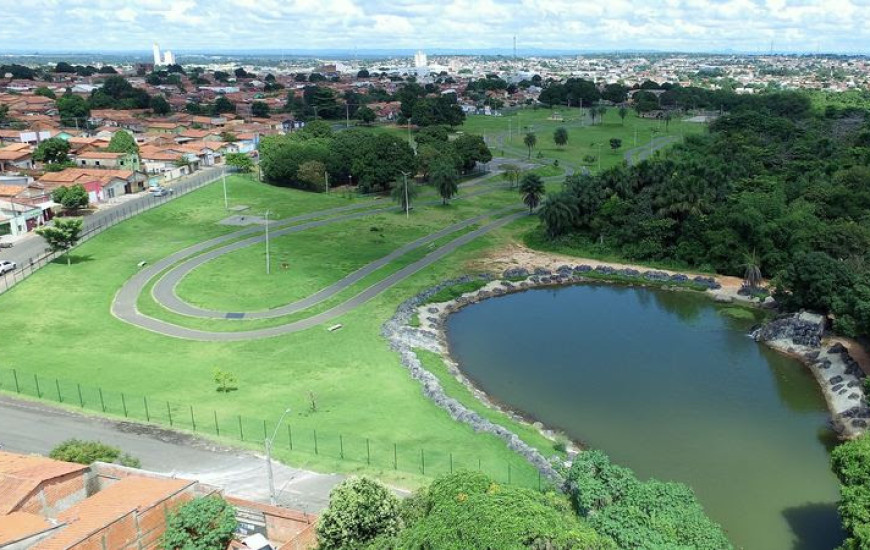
(347, 112)
(407, 206)
(268, 262)
(224, 177)
(599, 157)
(326, 175)
(268, 442)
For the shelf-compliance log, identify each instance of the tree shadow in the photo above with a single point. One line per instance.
(73, 259)
(816, 526)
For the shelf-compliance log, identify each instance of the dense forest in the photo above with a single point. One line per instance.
(774, 185)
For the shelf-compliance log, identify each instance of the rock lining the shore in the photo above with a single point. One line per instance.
(404, 339)
(839, 376)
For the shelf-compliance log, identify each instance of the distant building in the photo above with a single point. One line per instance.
(167, 59)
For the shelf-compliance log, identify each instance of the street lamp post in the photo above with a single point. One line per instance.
(268, 262)
(268, 442)
(405, 178)
(224, 177)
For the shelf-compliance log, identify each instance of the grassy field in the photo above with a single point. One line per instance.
(366, 403)
(505, 134)
(307, 261)
(361, 389)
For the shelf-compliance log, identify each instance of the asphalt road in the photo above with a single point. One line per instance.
(164, 291)
(640, 153)
(124, 305)
(29, 427)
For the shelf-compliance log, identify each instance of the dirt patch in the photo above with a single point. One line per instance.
(519, 255)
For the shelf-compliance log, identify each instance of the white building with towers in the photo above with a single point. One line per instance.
(421, 64)
(167, 59)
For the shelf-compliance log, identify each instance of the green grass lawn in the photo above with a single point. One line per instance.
(361, 389)
(306, 262)
(505, 134)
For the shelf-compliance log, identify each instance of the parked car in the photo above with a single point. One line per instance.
(5, 244)
(6, 266)
(160, 191)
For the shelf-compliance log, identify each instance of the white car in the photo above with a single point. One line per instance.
(7, 266)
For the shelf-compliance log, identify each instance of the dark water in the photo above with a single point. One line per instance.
(667, 385)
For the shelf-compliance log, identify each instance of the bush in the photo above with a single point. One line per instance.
(468, 510)
(202, 524)
(359, 511)
(88, 452)
(636, 514)
(851, 463)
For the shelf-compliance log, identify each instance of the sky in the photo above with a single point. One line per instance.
(826, 26)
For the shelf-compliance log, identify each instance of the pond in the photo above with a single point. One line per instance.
(669, 386)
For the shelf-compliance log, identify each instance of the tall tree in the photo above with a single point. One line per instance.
(622, 112)
(159, 105)
(443, 176)
(260, 109)
(241, 161)
(365, 115)
(530, 140)
(123, 142)
(52, 151)
(70, 198)
(62, 235)
(560, 137)
(204, 523)
(73, 110)
(532, 189)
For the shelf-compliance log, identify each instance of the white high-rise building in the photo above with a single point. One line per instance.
(420, 60)
(168, 57)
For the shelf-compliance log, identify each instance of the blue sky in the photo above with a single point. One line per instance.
(298, 25)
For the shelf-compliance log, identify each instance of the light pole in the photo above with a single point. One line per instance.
(268, 263)
(224, 177)
(326, 176)
(268, 442)
(599, 157)
(405, 178)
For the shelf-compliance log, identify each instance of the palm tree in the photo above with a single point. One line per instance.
(752, 270)
(559, 213)
(560, 137)
(593, 112)
(602, 110)
(622, 112)
(530, 140)
(511, 173)
(445, 179)
(532, 189)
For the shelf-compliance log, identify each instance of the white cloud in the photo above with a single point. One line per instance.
(839, 25)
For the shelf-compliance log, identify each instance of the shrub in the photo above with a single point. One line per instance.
(851, 463)
(468, 510)
(225, 381)
(85, 452)
(359, 511)
(202, 524)
(636, 514)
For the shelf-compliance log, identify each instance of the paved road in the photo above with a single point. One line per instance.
(164, 291)
(637, 154)
(29, 427)
(124, 305)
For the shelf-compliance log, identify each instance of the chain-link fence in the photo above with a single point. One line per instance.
(375, 453)
(102, 220)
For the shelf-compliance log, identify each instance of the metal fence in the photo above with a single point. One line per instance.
(100, 221)
(292, 439)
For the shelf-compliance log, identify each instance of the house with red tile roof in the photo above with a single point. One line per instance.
(51, 505)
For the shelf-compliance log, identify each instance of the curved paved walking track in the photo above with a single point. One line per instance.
(184, 261)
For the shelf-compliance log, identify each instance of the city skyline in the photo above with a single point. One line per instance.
(744, 26)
